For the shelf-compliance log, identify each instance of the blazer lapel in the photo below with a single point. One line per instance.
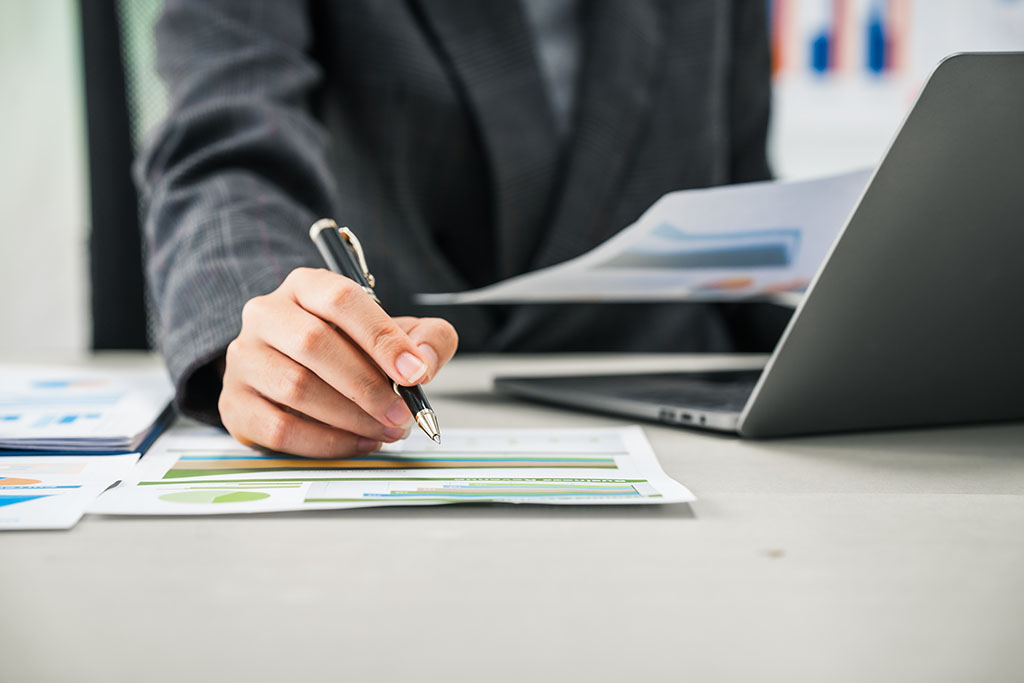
(624, 43)
(490, 49)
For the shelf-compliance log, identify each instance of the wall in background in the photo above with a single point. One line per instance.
(845, 73)
(43, 204)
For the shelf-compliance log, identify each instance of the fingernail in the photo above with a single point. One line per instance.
(410, 367)
(428, 354)
(364, 445)
(394, 433)
(397, 414)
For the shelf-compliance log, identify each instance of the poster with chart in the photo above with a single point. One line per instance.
(845, 72)
(202, 471)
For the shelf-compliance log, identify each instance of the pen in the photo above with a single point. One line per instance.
(344, 255)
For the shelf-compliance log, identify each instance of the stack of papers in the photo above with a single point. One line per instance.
(72, 410)
(203, 471)
(52, 492)
(756, 240)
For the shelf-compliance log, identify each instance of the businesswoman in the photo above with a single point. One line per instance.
(464, 142)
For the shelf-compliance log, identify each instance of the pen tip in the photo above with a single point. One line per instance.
(428, 423)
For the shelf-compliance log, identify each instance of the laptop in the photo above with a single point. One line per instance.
(915, 318)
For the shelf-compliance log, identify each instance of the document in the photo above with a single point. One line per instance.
(52, 492)
(761, 240)
(45, 408)
(203, 471)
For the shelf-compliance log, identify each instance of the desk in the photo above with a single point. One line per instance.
(878, 557)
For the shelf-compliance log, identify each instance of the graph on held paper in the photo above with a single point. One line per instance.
(668, 247)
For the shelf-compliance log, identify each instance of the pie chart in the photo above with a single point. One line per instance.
(207, 496)
(15, 481)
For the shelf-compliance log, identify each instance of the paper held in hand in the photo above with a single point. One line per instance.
(755, 240)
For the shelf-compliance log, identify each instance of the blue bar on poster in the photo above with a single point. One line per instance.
(820, 48)
(876, 43)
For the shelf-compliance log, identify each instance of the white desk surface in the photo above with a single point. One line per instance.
(879, 557)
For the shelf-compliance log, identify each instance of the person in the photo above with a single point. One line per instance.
(464, 142)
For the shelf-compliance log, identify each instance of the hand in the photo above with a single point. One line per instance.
(304, 374)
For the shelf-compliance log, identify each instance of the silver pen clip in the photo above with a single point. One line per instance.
(353, 243)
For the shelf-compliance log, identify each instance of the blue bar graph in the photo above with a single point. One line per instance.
(821, 48)
(66, 419)
(14, 500)
(876, 47)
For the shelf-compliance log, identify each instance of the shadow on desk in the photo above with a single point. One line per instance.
(999, 439)
(460, 511)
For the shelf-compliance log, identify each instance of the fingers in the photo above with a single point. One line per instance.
(435, 340)
(341, 302)
(310, 373)
(287, 383)
(314, 344)
(255, 421)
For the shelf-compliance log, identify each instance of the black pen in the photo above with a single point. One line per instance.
(344, 255)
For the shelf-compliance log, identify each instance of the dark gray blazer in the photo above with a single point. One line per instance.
(424, 126)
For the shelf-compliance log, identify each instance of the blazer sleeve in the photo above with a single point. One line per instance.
(750, 94)
(231, 179)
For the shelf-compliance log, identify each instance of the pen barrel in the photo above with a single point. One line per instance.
(414, 398)
(346, 258)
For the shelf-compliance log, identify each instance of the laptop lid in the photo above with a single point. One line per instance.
(917, 316)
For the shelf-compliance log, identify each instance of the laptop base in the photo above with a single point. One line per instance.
(702, 400)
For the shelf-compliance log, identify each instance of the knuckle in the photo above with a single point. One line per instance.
(342, 293)
(251, 309)
(274, 430)
(232, 351)
(366, 389)
(298, 276)
(294, 386)
(382, 337)
(224, 409)
(312, 338)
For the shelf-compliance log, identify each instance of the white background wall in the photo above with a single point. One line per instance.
(821, 125)
(43, 202)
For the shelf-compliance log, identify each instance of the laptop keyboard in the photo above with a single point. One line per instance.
(727, 391)
(718, 391)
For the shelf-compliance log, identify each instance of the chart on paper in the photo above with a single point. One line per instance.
(460, 451)
(68, 409)
(52, 492)
(205, 472)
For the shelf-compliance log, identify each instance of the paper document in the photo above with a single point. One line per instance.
(201, 471)
(52, 492)
(764, 240)
(70, 409)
